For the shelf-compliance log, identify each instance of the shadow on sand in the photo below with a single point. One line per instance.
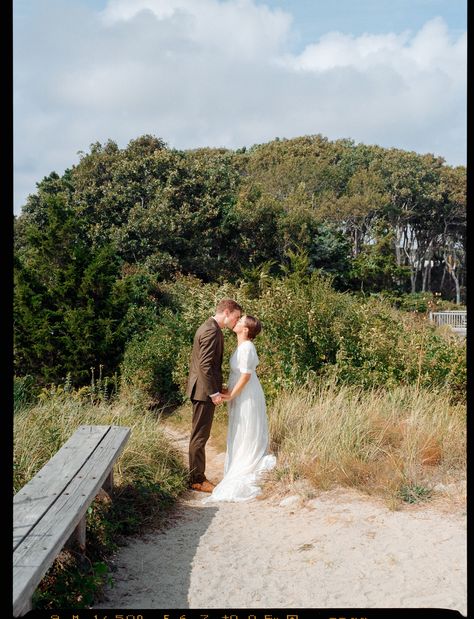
(154, 570)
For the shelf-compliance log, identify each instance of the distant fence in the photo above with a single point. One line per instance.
(457, 320)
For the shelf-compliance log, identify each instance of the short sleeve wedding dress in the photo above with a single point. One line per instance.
(247, 434)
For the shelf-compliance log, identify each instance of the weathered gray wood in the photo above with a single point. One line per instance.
(35, 554)
(79, 535)
(36, 497)
(109, 482)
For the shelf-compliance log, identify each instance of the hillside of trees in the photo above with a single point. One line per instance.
(96, 248)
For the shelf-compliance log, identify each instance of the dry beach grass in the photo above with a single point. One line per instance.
(398, 444)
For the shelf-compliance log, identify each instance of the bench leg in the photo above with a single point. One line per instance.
(109, 482)
(79, 535)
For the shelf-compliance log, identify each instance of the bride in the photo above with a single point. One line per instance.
(247, 436)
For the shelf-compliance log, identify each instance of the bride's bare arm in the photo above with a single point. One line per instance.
(243, 380)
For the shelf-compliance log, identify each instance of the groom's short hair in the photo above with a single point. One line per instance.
(253, 325)
(227, 304)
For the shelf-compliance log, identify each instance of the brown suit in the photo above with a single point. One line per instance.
(205, 379)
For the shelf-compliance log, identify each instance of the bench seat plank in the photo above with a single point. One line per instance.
(36, 497)
(37, 552)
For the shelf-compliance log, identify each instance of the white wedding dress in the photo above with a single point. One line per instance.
(247, 434)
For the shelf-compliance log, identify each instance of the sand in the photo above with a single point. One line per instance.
(341, 549)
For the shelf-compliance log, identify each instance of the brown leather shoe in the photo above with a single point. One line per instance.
(203, 486)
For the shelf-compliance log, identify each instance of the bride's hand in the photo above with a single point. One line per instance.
(226, 397)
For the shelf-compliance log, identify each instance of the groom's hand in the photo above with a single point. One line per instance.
(217, 399)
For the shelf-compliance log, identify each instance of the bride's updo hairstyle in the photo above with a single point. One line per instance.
(253, 325)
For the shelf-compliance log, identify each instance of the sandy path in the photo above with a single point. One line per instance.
(339, 550)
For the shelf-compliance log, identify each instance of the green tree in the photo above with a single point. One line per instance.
(375, 268)
(65, 317)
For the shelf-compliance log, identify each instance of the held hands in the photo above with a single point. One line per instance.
(224, 396)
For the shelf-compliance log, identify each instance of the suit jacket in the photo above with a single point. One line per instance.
(205, 372)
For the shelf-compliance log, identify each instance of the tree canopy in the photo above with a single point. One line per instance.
(92, 245)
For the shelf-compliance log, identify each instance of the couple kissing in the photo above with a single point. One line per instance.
(247, 434)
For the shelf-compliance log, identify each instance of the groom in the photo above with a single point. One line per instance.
(205, 384)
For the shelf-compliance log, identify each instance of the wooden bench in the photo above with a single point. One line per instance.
(51, 508)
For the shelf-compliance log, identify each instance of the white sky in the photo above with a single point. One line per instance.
(234, 73)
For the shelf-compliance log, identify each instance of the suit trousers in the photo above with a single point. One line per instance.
(203, 414)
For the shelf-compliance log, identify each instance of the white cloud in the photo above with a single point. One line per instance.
(236, 28)
(339, 50)
(220, 74)
(429, 50)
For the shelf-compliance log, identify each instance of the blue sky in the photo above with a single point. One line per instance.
(233, 73)
(313, 18)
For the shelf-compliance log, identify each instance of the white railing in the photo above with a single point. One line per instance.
(455, 319)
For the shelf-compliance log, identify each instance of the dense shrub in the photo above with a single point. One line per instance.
(389, 347)
(150, 357)
(309, 329)
(420, 302)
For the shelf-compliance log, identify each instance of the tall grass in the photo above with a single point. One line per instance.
(40, 430)
(380, 441)
(23, 391)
